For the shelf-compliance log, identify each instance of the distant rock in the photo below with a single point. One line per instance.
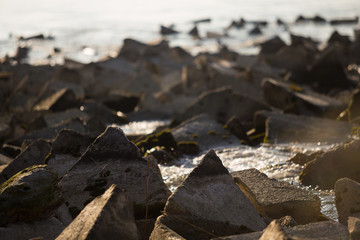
(132, 49)
(272, 46)
(281, 128)
(344, 21)
(278, 199)
(61, 100)
(112, 159)
(338, 163)
(167, 30)
(255, 31)
(208, 199)
(194, 32)
(302, 158)
(205, 131)
(108, 116)
(34, 154)
(30, 195)
(109, 216)
(347, 193)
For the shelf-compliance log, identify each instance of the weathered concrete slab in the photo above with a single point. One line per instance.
(278, 199)
(109, 216)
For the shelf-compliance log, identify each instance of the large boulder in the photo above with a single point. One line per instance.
(30, 195)
(109, 216)
(326, 169)
(112, 159)
(347, 203)
(222, 104)
(283, 128)
(34, 154)
(272, 46)
(278, 199)
(299, 100)
(205, 131)
(209, 203)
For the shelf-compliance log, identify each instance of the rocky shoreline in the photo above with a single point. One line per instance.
(68, 173)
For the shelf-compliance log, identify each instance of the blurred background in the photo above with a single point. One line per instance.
(90, 30)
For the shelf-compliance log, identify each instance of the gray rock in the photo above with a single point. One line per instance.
(347, 194)
(327, 168)
(47, 229)
(354, 227)
(272, 46)
(112, 159)
(34, 154)
(278, 199)
(282, 128)
(30, 195)
(222, 104)
(132, 50)
(161, 231)
(209, 200)
(299, 100)
(59, 101)
(318, 230)
(109, 216)
(51, 132)
(57, 118)
(108, 116)
(66, 151)
(205, 131)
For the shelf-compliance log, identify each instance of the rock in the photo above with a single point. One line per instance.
(338, 163)
(328, 72)
(281, 128)
(354, 227)
(352, 111)
(344, 21)
(47, 229)
(296, 99)
(93, 108)
(279, 199)
(4, 158)
(255, 31)
(34, 154)
(112, 159)
(120, 103)
(272, 46)
(21, 53)
(347, 203)
(318, 230)
(132, 50)
(6, 126)
(60, 101)
(205, 131)
(30, 195)
(57, 118)
(160, 139)
(302, 158)
(208, 199)
(162, 156)
(237, 128)
(287, 221)
(222, 104)
(11, 150)
(204, 20)
(194, 32)
(195, 206)
(51, 132)
(167, 30)
(161, 231)
(336, 37)
(67, 148)
(109, 216)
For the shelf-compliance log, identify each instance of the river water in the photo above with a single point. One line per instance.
(87, 30)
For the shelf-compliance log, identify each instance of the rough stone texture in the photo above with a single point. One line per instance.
(47, 229)
(347, 195)
(354, 227)
(109, 216)
(66, 150)
(208, 203)
(59, 101)
(222, 104)
(112, 159)
(326, 169)
(296, 99)
(205, 131)
(318, 230)
(57, 118)
(161, 231)
(102, 112)
(34, 154)
(51, 132)
(279, 199)
(282, 128)
(30, 195)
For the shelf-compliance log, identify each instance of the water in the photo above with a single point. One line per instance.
(87, 30)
